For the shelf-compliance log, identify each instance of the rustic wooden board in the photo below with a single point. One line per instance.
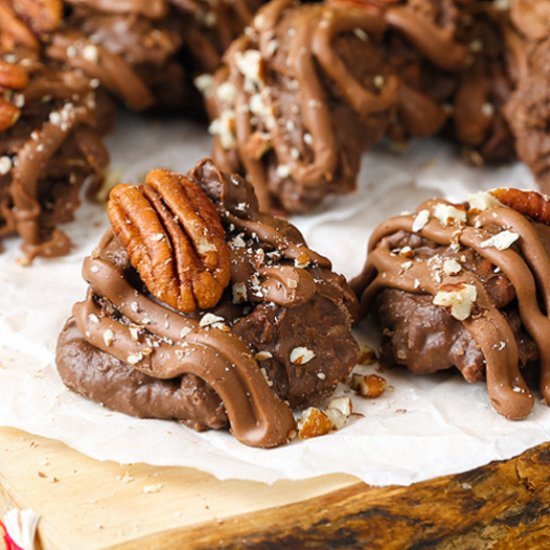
(90, 504)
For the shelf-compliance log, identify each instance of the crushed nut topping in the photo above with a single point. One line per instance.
(250, 65)
(204, 83)
(210, 319)
(406, 252)
(134, 358)
(263, 355)
(342, 404)
(237, 242)
(367, 356)
(451, 266)
(282, 171)
(337, 418)
(185, 331)
(108, 337)
(224, 127)
(420, 220)
(488, 109)
(6, 165)
(482, 201)
(240, 293)
(90, 53)
(460, 298)
(301, 355)
(449, 215)
(314, 423)
(227, 92)
(370, 386)
(302, 261)
(501, 241)
(361, 34)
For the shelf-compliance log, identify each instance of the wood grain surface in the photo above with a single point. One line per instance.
(90, 504)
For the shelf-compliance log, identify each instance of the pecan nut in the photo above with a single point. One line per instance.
(9, 114)
(174, 238)
(529, 203)
(12, 77)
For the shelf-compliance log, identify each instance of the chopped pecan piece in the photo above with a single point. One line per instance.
(12, 77)
(369, 385)
(314, 423)
(367, 356)
(8, 114)
(174, 238)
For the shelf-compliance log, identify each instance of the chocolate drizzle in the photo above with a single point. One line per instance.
(256, 415)
(116, 74)
(153, 9)
(30, 159)
(438, 44)
(55, 142)
(526, 265)
(120, 319)
(307, 35)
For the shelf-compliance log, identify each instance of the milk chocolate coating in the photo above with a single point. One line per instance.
(528, 111)
(528, 108)
(118, 386)
(483, 87)
(314, 102)
(132, 48)
(209, 375)
(209, 28)
(507, 326)
(55, 148)
(334, 78)
(145, 49)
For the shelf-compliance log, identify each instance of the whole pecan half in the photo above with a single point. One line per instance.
(174, 238)
(529, 203)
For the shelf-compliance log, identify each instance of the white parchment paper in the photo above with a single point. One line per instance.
(427, 426)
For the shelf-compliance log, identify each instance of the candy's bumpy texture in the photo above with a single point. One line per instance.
(61, 65)
(466, 286)
(203, 310)
(309, 88)
(295, 103)
(295, 92)
(51, 121)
